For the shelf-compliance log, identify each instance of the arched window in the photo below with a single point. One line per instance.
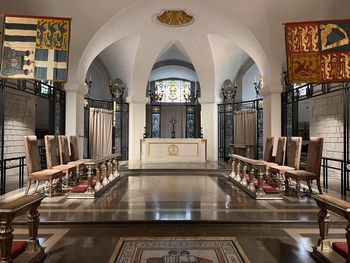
(173, 90)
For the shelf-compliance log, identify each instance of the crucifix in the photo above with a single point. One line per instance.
(173, 122)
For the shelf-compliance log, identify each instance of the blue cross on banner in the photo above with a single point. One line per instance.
(34, 48)
(51, 64)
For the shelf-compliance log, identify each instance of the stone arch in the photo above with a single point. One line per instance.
(129, 21)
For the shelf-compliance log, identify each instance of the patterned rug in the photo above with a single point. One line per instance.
(178, 250)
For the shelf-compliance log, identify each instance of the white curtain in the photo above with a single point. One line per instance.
(169, 113)
(244, 122)
(100, 132)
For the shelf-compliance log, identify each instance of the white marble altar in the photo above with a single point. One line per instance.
(167, 150)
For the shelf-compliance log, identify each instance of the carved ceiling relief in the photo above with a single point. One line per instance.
(175, 18)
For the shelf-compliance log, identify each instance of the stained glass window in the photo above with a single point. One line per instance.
(172, 91)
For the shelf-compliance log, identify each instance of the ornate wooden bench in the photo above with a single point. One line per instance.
(33, 252)
(248, 174)
(101, 174)
(325, 251)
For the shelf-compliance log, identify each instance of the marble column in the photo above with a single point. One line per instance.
(137, 122)
(75, 111)
(272, 112)
(209, 122)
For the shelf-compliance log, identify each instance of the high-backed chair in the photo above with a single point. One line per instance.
(51, 147)
(34, 171)
(280, 153)
(313, 167)
(268, 149)
(294, 153)
(65, 157)
(73, 142)
(74, 148)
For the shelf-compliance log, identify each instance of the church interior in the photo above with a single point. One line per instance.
(174, 131)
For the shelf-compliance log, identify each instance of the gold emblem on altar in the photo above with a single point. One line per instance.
(173, 149)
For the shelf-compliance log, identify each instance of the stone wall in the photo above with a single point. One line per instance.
(326, 120)
(19, 121)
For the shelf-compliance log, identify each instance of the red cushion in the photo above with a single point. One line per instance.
(17, 248)
(341, 248)
(79, 189)
(268, 189)
(82, 187)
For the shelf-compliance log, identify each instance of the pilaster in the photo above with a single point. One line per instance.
(137, 122)
(75, 111)
(209, 122)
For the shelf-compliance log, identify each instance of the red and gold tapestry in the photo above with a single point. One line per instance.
(34, 48)
(318, 52)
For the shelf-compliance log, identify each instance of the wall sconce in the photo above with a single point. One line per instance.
(89, 85)
(258, 86)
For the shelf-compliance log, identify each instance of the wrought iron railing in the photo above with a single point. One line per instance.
(11, 163)
(342, 167)
(226, 125)
(291, 97)
(120, 130)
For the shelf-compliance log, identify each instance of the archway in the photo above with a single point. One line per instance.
(137, 21)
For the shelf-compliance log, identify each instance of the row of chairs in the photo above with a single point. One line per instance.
(275, 164)
(60, 163)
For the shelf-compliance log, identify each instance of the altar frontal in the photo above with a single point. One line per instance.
(167, 150)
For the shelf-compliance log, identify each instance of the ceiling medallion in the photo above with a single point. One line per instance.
(178, 17)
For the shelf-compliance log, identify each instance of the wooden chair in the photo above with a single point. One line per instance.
(34, 171)
(280, 153)
(65, 157)
(269, 149)
(294, 153)
(74, 156)
(312, 169)
(73, 143)
(51, 147)
(74, 153)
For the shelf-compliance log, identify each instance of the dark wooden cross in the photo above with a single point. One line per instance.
(173, 122)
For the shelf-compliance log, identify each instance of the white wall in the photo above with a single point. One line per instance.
(99, 88)
(173, 71)
(326, 120)
(19, 121)
(248, 91)
(303, 111)
(118, 59)
(228, 58)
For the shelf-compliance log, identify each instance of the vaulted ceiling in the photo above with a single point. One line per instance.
(224, 35)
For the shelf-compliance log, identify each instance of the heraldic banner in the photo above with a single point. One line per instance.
(34, 48)
(318, 52)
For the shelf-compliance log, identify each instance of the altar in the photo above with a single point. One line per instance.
(168, 150)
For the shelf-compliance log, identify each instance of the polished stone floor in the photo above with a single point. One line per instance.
(195, 200)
